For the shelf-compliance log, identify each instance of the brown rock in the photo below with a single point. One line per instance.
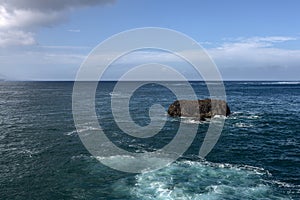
(199, 108)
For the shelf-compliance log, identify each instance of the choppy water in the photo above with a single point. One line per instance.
(256, 157)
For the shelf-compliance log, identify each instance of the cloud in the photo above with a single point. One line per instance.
(27, 16)
(257, 58)
(254, 42)
(255, 51)
(42, 62)
(249, 51)
(50, 5)
(28, 19)
(16, 37)
(240, 58)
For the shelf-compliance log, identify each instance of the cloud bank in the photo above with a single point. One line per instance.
(20, 19)
(257, 58)
(254, 58)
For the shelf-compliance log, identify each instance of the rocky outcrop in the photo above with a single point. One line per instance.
(206, 108)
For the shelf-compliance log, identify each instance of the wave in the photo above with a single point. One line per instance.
(281, 83)
(74, 132)
(115, 94)
(83, 129)
(190, 120)
(82, 157)
(136, 163)
(242, 125)
(244, 115)
(203, 180)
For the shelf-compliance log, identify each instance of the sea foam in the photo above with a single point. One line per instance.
(204, 180)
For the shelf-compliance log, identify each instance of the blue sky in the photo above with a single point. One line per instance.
(248, 40)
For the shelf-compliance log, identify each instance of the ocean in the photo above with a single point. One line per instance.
(256, 157)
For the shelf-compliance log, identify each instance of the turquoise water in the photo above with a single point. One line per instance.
(256, 157)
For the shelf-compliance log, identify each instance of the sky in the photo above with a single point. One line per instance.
(248, 40)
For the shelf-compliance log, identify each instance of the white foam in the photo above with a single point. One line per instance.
(179, 84)
(130, 163)
(114, 94)
(203, 180)
(242, 125)
(81, 156)
(191, 121)
(83, 129)
(30, 153)
(289, 82)
(244, 115)
(236, 113)
(253, 117)
(219, 117)
(282, 83)
(286, 185)
(71, 133)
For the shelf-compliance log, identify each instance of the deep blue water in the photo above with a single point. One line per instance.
(256, 157)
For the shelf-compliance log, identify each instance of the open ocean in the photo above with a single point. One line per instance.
(256, 157)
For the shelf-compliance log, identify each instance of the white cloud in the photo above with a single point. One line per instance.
(242, 58)
(255, 51)
(50, 5)
(41, 63)
(17, 16)
(15, 37)
(250, 51)
(254, 42)
(257, 58)
(28, 19)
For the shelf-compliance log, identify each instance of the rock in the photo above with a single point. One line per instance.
(198, 108)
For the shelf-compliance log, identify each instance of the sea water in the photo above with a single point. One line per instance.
(256, 157)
